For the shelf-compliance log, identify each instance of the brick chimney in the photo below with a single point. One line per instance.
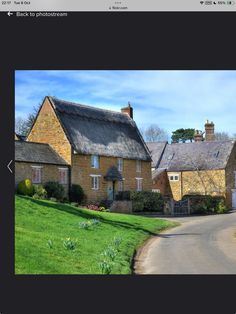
(128, 110)
(209, 131)
(198, 136)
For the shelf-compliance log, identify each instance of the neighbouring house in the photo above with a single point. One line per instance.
(204, 166)
(39, 163)
(104, 148)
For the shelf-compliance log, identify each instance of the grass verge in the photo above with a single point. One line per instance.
(42, 229)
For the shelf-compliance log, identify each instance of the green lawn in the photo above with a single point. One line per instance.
(38, 222)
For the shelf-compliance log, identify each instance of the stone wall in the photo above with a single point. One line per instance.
(161, 182)
(81, 174)
(23, 170)
(47, 129)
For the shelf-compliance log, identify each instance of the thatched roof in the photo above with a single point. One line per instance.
(196, 156)
(113, 174)
(102, 132)
(37, 153)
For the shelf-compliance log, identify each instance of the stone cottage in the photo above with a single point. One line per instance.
(104, 148)
(39, 163)
(204, 167)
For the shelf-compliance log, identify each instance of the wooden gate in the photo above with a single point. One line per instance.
(181, 208)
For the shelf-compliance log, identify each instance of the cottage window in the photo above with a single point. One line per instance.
(120, 164)
(174, 177)
(138, 166)
(63, 175)
(95, 161)
(95, 182)
(120, 186)
(139, 184)
(36, 174)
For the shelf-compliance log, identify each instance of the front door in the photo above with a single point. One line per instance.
(234, 199)
(110, 191)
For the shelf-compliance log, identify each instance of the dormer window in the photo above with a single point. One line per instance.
(95, 161)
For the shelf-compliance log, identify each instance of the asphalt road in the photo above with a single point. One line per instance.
(201, 245)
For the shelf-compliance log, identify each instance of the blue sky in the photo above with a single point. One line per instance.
(171, 99)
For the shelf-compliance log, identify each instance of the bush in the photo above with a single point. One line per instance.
(206, 204)
(151, 201)
(25, 187)
(39, 192)
(137, 206)
(55, 190)
(76, 193)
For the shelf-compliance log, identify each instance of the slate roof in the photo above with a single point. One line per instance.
(156, 150)
(37, 153)
(196, 156)
(102, 132)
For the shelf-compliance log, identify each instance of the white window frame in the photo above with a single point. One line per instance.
(139, 184)
(95, 181)
(95, 164)
(174, 177)
(65, 177)
(138, 165)
(120, 163)
(37, 168)
(156, 190)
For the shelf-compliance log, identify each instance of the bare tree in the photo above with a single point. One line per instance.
(221, 136)
(154, 133)
(21, 127)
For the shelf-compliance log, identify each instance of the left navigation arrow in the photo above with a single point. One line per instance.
(8, 166)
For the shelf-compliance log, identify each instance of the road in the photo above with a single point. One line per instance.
(200, 245)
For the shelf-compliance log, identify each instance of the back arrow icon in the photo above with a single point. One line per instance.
(8, 166)
(9, 13)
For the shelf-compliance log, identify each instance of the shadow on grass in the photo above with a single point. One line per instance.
(77, 212)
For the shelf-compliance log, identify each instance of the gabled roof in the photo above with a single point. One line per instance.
(156, 150)
(102, 132)
(37, 153)
(196, 156)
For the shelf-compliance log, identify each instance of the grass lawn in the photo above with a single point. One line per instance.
(41, 228)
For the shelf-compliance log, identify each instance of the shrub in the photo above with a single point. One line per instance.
(39, 192)
(137, 206)
(25, 187)
(76, 193)
(93, 207)
(55, 190)
(206, 204)
(151, 201)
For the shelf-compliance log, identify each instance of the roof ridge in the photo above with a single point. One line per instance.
(90, 107)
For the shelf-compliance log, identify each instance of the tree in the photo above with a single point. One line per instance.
(221, 136)
(23, 125)
(182, 135)
(154, 133)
